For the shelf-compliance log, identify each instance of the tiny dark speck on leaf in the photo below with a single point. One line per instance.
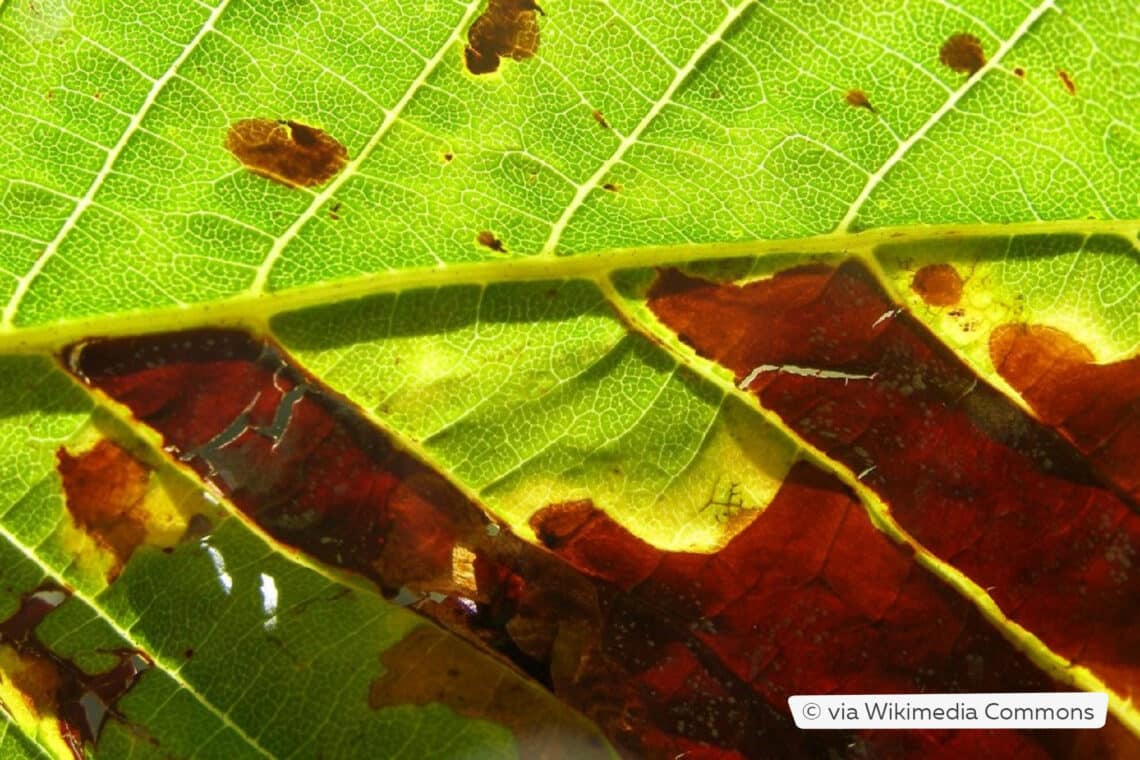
(963, 53)
(1067, 80)
(598, 117)
(1019, 72)
(487, 238)
(288, 152)
(858, 99)
(334, 212)
(448, 157)
(611, 187)
(507, 29)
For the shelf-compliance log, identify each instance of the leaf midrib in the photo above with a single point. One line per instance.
(253, 310)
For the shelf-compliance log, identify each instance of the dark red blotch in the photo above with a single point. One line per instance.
(979, 482)
(669, 653)
(81, 701)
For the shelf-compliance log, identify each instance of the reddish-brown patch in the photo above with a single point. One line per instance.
(858, 99)
(963, 53)
(668, 652)
(487, 239)
(601, 120)
(53, 685)
(1097, 406)
(288, 152)
(1070, 85)
(105, 488)
(938, 284)
(595, 544)
(1019, 72)
(507, 29)
(976, 480)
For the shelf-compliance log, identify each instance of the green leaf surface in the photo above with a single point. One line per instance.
(477, 280)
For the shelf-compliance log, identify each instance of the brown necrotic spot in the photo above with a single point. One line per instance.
(105, 489)
(858, 99)
(288, 152)
(487, 239)
(1096, 405)
(1019, 72)
(963, 53)
(601, 120)
(1067, 81)
(507, 29)
(938, 284)
(611, 187)
(53, 685)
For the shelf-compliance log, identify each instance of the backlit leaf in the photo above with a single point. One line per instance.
(498, 379)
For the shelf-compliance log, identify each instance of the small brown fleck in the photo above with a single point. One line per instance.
(598, 117)
(963, 53)
(448, 157)
(1019, 72)
(488, 239)
(858, 99)
(1067, 80)
(938, 284)
(611, 187)
(97, 95)
(288, 152)
(334, 212)
(507, 29)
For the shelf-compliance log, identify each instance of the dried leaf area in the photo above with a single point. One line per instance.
(963, 53)
(566, 378)
(703, 643)
(288, 152)
(506, 29)
(882, 396)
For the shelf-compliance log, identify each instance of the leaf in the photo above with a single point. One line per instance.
(361, 393)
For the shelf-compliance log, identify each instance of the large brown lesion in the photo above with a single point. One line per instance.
(506, 29)
(120, 497)
(1042, 524)
(104, 489)
(289, 152)
(668, 652)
